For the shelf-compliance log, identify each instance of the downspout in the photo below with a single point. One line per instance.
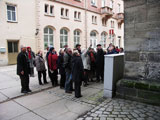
(86, 30)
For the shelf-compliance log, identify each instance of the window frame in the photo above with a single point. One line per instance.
(77, 36)
(11, 12)
(63, 36)
(103, 39)
(48, 37)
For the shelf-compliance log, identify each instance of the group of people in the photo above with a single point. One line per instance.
(75, 67)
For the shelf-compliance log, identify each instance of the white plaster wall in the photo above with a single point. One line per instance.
(23, 30)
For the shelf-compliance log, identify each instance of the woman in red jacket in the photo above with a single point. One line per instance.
(53, 67)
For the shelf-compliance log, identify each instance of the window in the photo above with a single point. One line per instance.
(93, 2)
(94, 19)
(77, 15)
(119, 26)
(119, 8)
(104, 22)
(76, 37)
(62, 11)
(11, 13)
(46, 8)
(103, 3)
(63, 38)
(111, 4)
(67, 13)
(93, 39)
(51, 10)
(103, 40)
(13, 47)
(48, 37)
(112, 24)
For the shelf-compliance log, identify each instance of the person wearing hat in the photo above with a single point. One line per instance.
(23, 70)
(99, 63)
(77, 73)
(78, 47)
(53, 67)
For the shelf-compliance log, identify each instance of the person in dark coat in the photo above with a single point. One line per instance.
(68, 68)
(92, 55)
(41, 68)
(23, 70)
(61, 69)
(47, 54)
(77, 73)
(78, 47)
(99, 63)
(53, 66)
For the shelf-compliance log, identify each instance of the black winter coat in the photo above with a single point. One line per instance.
(61, 64)
(77, 69)
(23, 64)
(100, 59)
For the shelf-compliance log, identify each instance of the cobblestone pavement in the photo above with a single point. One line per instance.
(119, 109)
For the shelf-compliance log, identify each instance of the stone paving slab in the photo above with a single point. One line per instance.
(3, 97)
(60, 108)
(38, 100)
(28, 116)
(10, 110)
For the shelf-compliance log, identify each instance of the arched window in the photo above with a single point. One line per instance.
(103, 39)
(63, 38)
(48, 37)
(93, 39)
(76, 37)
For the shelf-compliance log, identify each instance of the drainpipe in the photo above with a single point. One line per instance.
(86, 30)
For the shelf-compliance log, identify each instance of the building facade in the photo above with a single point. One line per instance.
(60, 22)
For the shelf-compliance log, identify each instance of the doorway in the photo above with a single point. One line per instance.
(12, 51)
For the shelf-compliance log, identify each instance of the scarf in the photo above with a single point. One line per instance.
(29, 55)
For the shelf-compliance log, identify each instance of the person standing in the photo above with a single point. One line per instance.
(53, 67)
(61, 69)
(92, 55)
(23, 70)
(31, 57)
(47, 54)
(78, 47)
(86, 63)
(68, 68)
(40, 66)
(77, 73)
(99, 63)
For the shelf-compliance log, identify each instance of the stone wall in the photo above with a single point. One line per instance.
(142, 39)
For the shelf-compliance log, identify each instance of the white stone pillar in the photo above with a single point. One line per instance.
(113, 71)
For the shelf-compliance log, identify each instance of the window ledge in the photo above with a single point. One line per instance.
(94, 6)
(94, 23)
(77, 20)
(78, 0)
(104, 25)
(49, 15)
(12, 21)
(67, 18)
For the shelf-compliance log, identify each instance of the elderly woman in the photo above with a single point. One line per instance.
(61, 69)
(86, 63)
(31, 57)
(40, 66)
(77, 73)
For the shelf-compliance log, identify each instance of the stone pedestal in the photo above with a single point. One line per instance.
(113, 71)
